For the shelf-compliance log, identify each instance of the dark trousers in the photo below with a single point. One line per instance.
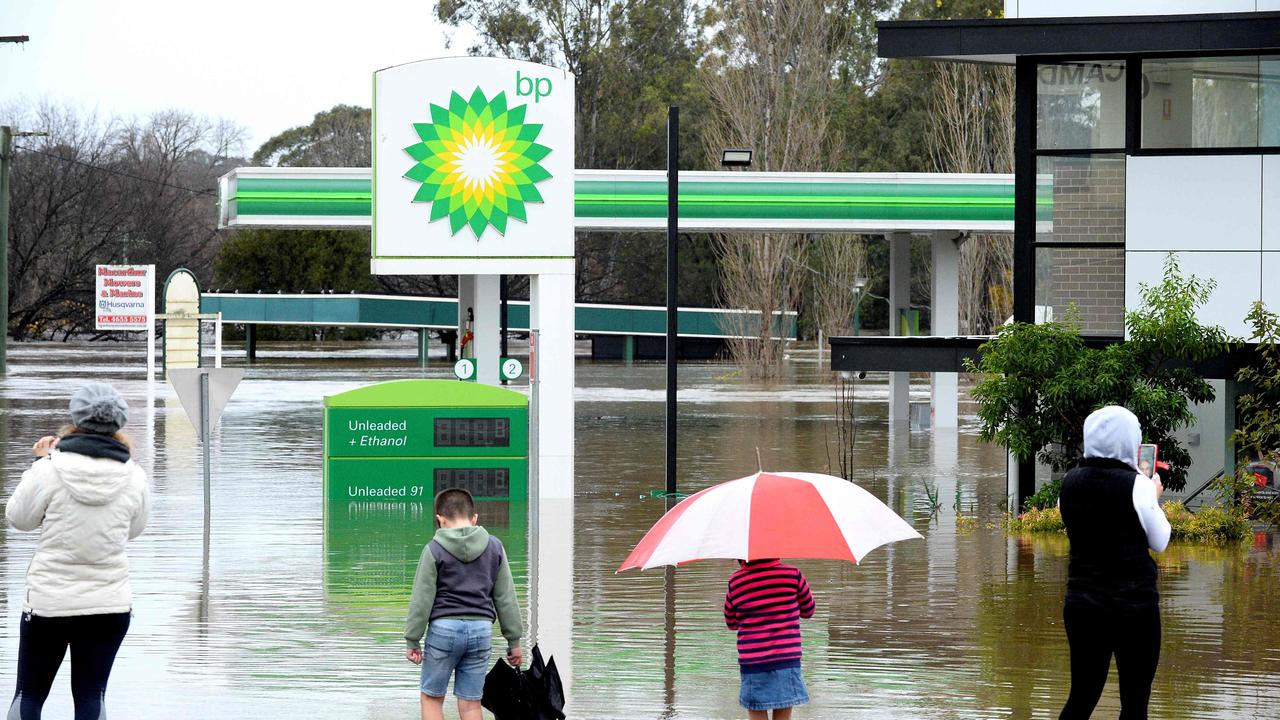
(94, 641)
(1094, 635)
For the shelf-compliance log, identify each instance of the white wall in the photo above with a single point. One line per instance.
(1105, 8)
(1209, 210)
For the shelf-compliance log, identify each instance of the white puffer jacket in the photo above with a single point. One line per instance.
(87, 508)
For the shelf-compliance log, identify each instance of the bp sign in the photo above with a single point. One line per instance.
(407, 440)
(472, 161)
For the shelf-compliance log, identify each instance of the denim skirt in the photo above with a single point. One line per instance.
(773, 689)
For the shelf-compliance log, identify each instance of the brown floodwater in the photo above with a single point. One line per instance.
(298, 612)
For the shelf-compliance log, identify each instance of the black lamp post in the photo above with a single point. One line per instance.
(728, 158)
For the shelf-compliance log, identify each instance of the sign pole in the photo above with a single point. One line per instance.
(151, 351)
(204, 448)
(204, 444)
(673, 285)
(217, 341)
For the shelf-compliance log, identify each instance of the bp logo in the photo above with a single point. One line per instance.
(478, 163)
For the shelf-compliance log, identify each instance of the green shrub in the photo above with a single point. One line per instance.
(1212, 525)
(1046, 496)
(1036, 520)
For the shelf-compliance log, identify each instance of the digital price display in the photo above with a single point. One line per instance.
(472, 432)
(480, 482)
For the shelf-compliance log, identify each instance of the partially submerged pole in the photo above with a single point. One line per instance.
(673, 234)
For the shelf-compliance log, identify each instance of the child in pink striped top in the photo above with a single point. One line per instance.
(765, 602)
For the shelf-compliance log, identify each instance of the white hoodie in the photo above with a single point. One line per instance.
(87, 508)
(1113, 432)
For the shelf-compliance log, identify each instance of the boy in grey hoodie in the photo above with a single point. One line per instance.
(462, 585)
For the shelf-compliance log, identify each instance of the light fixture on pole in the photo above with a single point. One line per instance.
(859, 284)
(736, 157)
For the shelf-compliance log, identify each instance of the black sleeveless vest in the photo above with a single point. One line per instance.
(1110, 567)
(466, 588)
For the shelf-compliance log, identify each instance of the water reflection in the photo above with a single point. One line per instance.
(301, 615)
(371, 552)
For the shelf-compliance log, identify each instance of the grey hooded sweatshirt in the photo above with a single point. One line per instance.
(463, 574)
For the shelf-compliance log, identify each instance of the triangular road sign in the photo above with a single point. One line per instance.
(222, 382)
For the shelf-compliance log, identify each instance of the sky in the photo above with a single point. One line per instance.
(266, 65)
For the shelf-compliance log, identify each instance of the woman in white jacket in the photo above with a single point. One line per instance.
(87, 498)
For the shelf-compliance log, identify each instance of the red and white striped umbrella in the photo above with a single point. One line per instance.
(771, 515)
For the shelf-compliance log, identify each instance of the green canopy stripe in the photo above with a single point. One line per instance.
(799, 198)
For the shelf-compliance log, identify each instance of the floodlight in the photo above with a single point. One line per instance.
(736, 158)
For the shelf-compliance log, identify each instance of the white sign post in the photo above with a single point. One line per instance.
(473, 176)
(203, 393)
(125, 299)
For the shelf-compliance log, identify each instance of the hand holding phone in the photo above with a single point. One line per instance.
(1147, 458)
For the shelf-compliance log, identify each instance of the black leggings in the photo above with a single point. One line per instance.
(1093, 635)
(94, 640)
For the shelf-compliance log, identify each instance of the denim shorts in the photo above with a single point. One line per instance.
(773, 689)
(456, 645)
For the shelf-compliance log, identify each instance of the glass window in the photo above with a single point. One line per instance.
(1269, 105)
(1080, 198)
(1201, 102)
(1084, 286)
(1080, 105)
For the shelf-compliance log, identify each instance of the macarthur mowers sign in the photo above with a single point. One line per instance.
(125, 297)
(472, 160)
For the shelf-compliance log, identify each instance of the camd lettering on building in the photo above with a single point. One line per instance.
(1081, 73)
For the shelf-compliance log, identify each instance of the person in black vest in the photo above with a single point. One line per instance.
(1113, 518)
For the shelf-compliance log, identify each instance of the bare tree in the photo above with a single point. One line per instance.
(101, 191)
(769, 80)
(970, 130)
(837, 262)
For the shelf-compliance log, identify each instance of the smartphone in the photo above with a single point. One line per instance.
(1147, 455)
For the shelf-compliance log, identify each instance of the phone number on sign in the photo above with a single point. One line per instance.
(132, 319)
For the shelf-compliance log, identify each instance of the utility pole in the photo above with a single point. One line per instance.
(6, 155)
(7, 135)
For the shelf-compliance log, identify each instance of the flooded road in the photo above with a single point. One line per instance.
(301, 614)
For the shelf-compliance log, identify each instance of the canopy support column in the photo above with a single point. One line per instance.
(945, 322)
(899, 305)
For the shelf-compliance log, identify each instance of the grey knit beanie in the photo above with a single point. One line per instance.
(97, 407)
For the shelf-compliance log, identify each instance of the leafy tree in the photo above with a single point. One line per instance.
(1258, 409)
(338, 137)
(1039, 382)
(296, 261)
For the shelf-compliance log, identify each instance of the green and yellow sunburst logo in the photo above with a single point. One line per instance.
(478, 163)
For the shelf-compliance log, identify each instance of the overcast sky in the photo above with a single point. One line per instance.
(265, 64)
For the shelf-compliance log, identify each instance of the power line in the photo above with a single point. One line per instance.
(121, 173)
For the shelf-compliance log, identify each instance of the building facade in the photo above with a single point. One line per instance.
(1143, 128)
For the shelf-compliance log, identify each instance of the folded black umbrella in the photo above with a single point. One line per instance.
(550, 690)
(511, 694)
(508, 693)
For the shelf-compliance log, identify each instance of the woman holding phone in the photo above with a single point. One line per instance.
(1112, 607)
(87, 498)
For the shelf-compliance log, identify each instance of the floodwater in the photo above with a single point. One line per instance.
(299, 613)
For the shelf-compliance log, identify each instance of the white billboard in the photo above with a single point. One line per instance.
(472, 166)
(125, 297)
